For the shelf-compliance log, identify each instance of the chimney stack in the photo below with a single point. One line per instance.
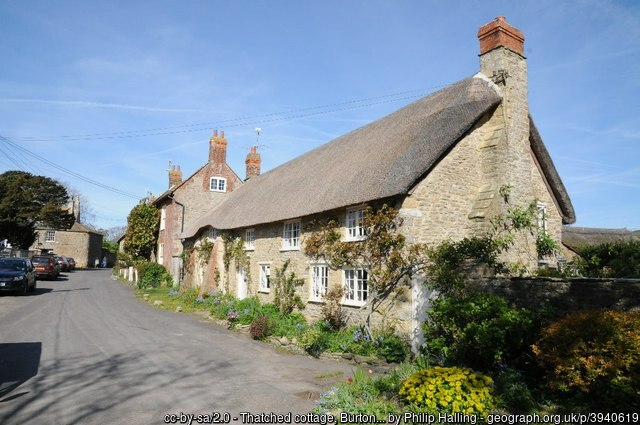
(498, 33)
(218, 148)
(253, 163)
(175, 176)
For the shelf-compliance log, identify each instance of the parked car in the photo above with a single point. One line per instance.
(62, 262)
(46, 266)
(17, 274)
(72, 263)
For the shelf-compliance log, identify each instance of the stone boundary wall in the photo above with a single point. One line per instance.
(566, 295)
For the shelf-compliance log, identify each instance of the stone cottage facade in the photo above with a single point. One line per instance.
(186, 200)
(80, 242)
(444, 161)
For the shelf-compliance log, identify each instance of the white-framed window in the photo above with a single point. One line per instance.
(163, 218)
(50, 236)
(218, 184)
(356, 286)
(541, 217)
(212, 234)
(265, 277)
(355, 231)
(249, 239)
(319, 281)
(160, 253)
(291, 235)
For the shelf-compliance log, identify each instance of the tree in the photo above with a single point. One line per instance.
(384, 253)
(142, 230)
(27, 200)
(114, 233)
(110, 246)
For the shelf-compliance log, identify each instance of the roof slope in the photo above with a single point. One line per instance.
(576, 237)
(382, 159)
(550, 172)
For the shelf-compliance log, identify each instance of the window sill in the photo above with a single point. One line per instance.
(264, 291)
(250, 249)
(295, 248)
(316, 301)
(353, 303)
(358, 239)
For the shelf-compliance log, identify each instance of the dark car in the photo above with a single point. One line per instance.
(72, 263)
(17, 274)
(63, 263)
(46, 266)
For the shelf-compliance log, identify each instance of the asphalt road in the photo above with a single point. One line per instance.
(84, 350)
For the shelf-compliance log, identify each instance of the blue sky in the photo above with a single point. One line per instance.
(111, 91)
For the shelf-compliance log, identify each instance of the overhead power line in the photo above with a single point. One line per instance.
(66, 170)
(243, 121)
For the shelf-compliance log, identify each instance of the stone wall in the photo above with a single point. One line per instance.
(566, 294)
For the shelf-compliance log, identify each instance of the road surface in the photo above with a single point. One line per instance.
(84, 350)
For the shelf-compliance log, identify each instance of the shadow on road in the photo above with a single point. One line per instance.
(95, 377)
(38, 291)
(71, 290)
(19, 362)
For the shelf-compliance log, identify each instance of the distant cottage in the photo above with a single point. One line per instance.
(188, 199)
(441, 161)
(80, 242)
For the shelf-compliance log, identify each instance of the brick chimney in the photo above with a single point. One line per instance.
(253, 163)
(503, 62)
(218, 148)
(498, 33)
(175, 176)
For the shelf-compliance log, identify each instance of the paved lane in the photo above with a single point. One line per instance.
(83, 350)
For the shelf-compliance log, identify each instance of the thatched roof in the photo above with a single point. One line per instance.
(576, 237)
(551, 174)
(383, 159)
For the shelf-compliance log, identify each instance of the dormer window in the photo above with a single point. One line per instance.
(218, 184)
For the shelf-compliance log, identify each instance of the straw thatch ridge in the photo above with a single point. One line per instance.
(382, 159)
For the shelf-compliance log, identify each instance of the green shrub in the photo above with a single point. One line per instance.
(312, 340)
(478, 330)
(392, 348)
(512, 392)
(289, 325)
(260, 327)
(351, 340)
(619, 259)
(595, 354)
(363, 393)
(449, 390)
(247, 308)
(152, 275)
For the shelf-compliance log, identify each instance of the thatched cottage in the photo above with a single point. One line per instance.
(441, 161)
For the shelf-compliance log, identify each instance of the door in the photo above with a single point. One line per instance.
(242, 283)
